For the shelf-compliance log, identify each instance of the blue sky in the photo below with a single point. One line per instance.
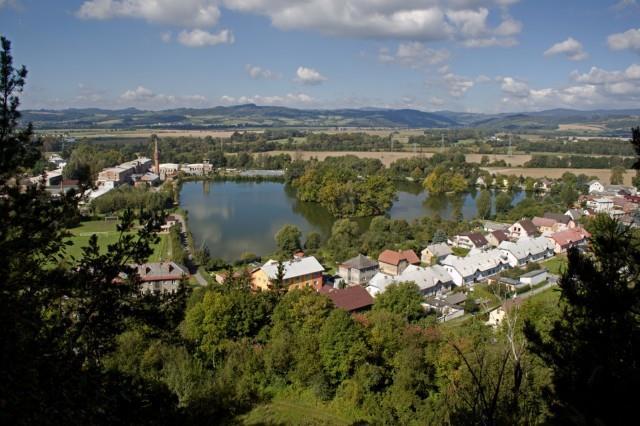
(464, 55)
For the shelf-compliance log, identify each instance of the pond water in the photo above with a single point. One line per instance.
(232, 218)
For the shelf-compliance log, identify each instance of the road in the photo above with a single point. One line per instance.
(193, 270)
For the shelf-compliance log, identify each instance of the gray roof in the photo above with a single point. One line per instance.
(455, 298)
(293, 268)
(533, 273)
(360, 262)
(439, 249)
(558, 217)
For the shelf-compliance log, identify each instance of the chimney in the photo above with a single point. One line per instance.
(156, 156)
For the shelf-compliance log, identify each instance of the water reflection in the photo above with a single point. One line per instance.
(232, 218)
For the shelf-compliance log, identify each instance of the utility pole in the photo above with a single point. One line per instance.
(510, 152)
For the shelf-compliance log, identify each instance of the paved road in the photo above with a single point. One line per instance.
(193, 270)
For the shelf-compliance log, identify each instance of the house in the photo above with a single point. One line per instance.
(444, 310)
(197, 169)
(595, 187)
(161, 277)
(431, 280)
(480, 183)
(523, 229)
(497, 316)
(563, 221)
(470, 240)
(534, 277)
(169, 221)
(435, 251)
(544, 224)
(601, 205)
(394, 262)
(570, 238)
(544, 185)
(619, 190)
(476, 267)
(574, 214)
(350, 299)
(526, 250)
(496, 237)
(298, 273)
(358, 271)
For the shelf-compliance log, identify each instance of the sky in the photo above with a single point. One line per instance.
(463, 55)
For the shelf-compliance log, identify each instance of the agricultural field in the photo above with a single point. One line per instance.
(107, 234)
(389, 157)
(603, 175)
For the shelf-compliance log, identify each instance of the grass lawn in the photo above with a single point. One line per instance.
(107, 234)
(556, 265)
(299, 409)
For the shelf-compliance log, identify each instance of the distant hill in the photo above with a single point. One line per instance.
(250, 116)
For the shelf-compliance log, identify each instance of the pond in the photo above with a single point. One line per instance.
(233, 218)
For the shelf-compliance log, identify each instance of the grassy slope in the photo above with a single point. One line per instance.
(556, 265)
(107, 234)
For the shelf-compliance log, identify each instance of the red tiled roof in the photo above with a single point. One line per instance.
(350, 298)
(476, 238)
(528, 226)
(547, 222)
(570, 236)
(500, 235)
(395, 257)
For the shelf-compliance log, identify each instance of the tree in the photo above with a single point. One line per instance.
(341, 346)
(288, 239)
(483, 204)
(404, 299)
(313, 241)
(503, 202)
(344, 241)
(617, 175)
(64, 320)
(592, 347)
(440, 236)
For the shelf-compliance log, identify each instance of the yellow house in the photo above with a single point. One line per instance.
(298, 273)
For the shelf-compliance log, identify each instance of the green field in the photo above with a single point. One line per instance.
(556, 265)
(107, 234)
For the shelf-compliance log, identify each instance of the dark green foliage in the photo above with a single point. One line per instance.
(403, 299)
(591, 347)
(483, 203)
(128, 197)
(288, 239)
(346, 186)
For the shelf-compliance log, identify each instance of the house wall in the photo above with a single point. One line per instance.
(534, 280)
(260, 280)
(390, 269)
(160, 287)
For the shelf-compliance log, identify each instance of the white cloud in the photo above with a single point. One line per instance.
(482, 79)
(201, 38)
(166, 37)
(257, 73)
(188, 13)
(142, 96)
(597, 88)
(414, 54)
(627, 40)
(309, 76)
(570, 47)
(288, 99)
(436, 101)
(623, 4)
(457, 85)
(514, 87)
(416, 20)
(474, 31)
